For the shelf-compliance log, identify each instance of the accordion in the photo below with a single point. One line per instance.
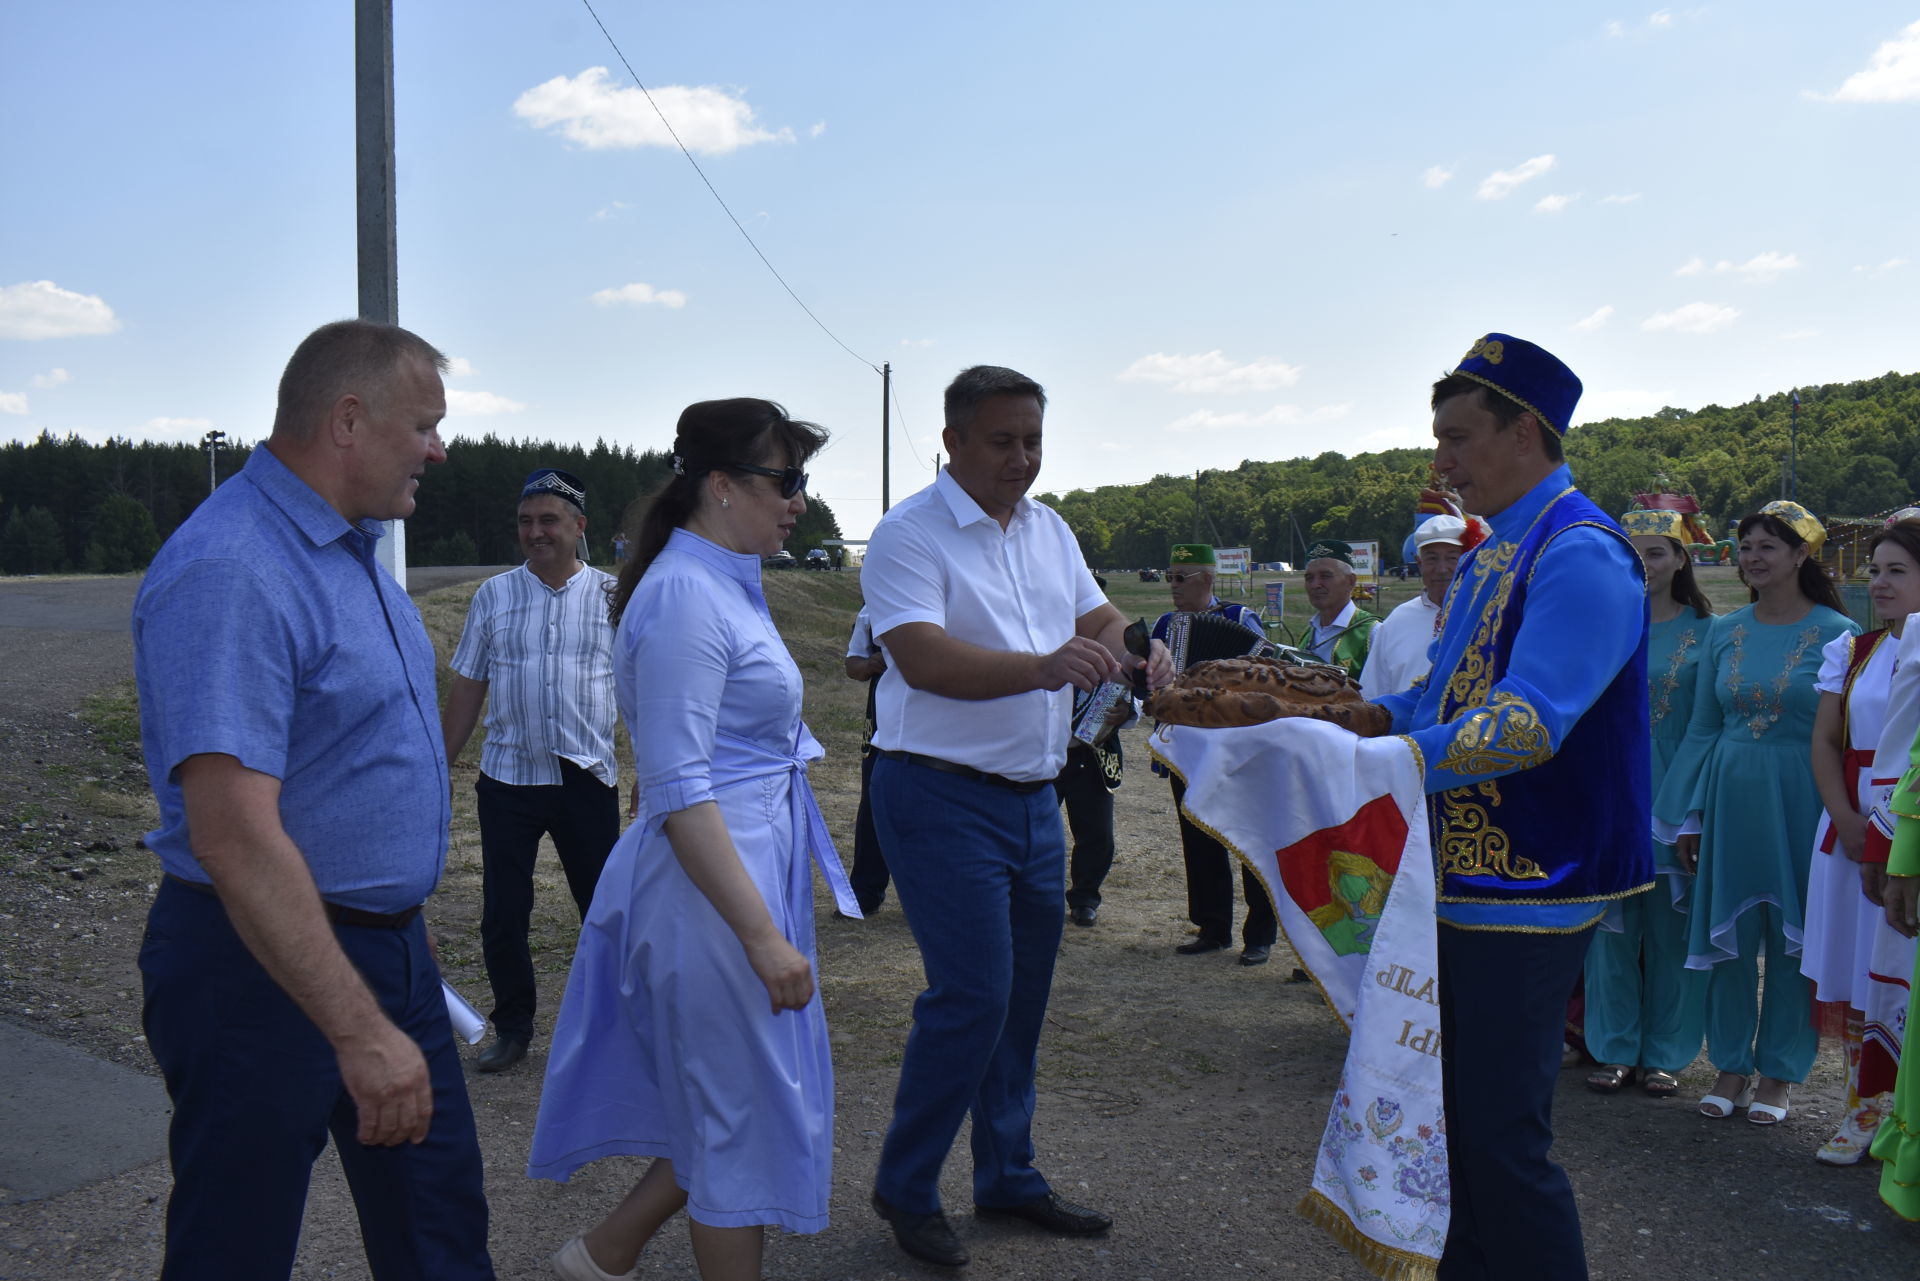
(1199, 638)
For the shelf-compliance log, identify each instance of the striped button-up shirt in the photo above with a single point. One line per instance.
(546, 654)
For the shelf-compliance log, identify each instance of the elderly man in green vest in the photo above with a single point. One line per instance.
(1339, 630)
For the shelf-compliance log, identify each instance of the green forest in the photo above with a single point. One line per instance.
(66, 504)
(1859, 455)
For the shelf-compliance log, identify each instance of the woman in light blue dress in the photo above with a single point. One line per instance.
(1740, 805)
(692, 1030)
(1645, 1008)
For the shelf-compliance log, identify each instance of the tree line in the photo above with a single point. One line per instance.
(68, 504)
(1858, 455)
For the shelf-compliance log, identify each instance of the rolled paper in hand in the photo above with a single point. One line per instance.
(467, 1023)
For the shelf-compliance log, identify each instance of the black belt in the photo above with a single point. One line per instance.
(336, 913)
(965, 771)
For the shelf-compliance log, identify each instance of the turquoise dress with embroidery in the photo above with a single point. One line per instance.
(1744, 770)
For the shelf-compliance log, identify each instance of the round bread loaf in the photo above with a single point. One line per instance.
(1229, 692)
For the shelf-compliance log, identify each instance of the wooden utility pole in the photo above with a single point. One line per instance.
(374, 207)
(886, 435)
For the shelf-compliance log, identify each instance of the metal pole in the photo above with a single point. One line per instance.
(374, 212)
(886, 436)
(1793, 446)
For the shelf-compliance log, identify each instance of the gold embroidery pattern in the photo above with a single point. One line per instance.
(1760, 702)
(1504, 735)
(1663, 689)
(1470, 843)
(1491, 352)
(1473, 678)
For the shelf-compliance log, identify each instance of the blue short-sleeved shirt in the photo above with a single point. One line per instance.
(266, 631)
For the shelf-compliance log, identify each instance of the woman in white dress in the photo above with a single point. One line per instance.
(692, 1030)
(1860, 966)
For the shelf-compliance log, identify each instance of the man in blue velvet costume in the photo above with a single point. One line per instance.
(1531, 730)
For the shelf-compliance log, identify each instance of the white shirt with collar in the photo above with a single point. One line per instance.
(938, 558)
(1321, 639)
(1399, 651)
(546, 654)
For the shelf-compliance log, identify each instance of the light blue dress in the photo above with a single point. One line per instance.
(1645, 1008)
(1744, 771)
(665, 1045)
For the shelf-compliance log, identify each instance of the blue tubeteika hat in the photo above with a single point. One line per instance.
(1531, 376)
(561, 484)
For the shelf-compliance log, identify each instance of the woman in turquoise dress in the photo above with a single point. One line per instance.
(1740, 807)
(1644, 1007)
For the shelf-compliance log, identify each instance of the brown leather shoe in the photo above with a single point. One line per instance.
(1052, 1212)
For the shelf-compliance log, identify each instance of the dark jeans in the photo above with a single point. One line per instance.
(1210, 886)
(582, 814)
(1082, 788)
(869, 876)
(256, 1090)
(1503, 1008)
(979, 870)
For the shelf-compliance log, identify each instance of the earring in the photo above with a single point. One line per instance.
(725, 503)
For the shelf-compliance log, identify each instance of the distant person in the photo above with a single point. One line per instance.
(692, 1030)
(287, 718)
(987, 613)
(1209, 864)
(1339, 630)
(866, 661)
(537, 651)
(619, 549)
(1397, 649)
(1086, 785)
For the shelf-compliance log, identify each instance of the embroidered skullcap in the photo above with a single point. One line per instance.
(1192, 554)
(1531, 376)
(561, 484)
(1800, 521)
(1658, 524)
(1332, 549)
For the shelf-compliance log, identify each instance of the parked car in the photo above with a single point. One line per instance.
(1149, 575)
(782, 559)
(818, 559)
(1404, 571)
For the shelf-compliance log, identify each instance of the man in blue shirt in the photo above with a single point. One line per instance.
(287, 716)
(1531, 729)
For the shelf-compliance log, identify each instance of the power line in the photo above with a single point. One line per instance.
(716, 195)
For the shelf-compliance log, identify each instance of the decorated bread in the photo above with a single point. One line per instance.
(1252, 691)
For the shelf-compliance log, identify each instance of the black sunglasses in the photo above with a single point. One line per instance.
(792, 479)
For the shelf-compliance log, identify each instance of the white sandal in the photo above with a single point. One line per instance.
(1759, 1113)
(573, 1263)
(1719, 1107)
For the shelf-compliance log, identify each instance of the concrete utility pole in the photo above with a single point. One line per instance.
(886, 436)
(215, 441)
(374, 212)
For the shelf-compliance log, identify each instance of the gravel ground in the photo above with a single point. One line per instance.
(1184, 1095)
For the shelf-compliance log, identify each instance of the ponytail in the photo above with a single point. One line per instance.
(662, 512)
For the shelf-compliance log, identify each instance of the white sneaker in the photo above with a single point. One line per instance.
(573, 1263)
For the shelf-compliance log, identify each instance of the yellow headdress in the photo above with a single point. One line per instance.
(1800, 521)
(1658, 524)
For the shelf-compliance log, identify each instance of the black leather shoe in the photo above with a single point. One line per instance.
(1255, 954)
(1202, 945)
(1052, 1212)
(924, 1236)
(1084, 917)
(502, 1054)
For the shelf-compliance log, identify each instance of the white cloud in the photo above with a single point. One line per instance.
(1660, 19)
(1891, 264)
(1594, 321)
(1554, 204)
(1620, 198)
(1436, 176)
(177, 428)
(1761, 267)
(816, 129)
(37, 309)
(459, 367)
(1211, 372)
(471, 404)
(1691, 267)
(13, 402)
(1279, 415)
(614, 210)
(1694, 318)
(590, 111)
(638, 295)
(51, 379)
(1615, 29)
(1500, 184)
(1621, 402)
(1892, 74)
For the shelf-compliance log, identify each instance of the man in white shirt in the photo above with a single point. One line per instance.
(1397, 653)
(1339, 629)
(538, 639)
(987, 613)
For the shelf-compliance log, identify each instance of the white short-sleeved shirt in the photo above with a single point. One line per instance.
(546, 654)
(1399, 648)
(860, 644)
(938, 558)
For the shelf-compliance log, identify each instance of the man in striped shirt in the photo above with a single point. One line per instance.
(537, 638)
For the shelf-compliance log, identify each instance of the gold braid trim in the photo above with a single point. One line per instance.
(1382, 1260)
(1488, 382)
(1505, 735)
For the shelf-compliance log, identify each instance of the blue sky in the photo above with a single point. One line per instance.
(1214, 231)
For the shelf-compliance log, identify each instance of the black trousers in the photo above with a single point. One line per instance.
(1210, 886)
(1082, 786)
(1503, 1011)
(582, 815)
(868, 876)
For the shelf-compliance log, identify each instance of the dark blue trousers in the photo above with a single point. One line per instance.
(1503, 1010)
(868, 876)
(256, 1090)
(980, 871)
